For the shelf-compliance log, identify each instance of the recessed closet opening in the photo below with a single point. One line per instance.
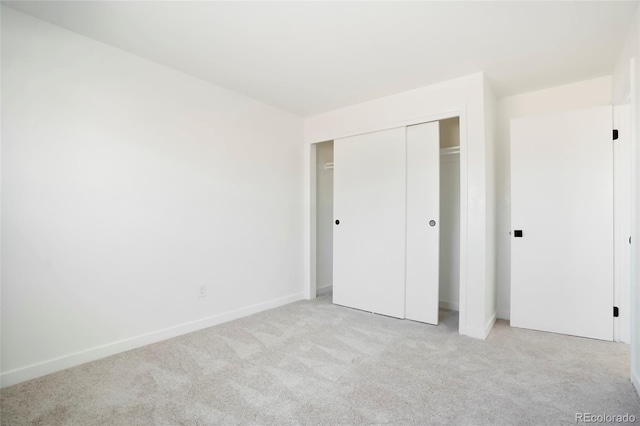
(404, 182)
(449, 262)
(324, 218)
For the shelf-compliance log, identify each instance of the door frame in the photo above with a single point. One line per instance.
(310, 232)
(622, 217)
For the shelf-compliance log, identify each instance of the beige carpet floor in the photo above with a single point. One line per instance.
(312, 362)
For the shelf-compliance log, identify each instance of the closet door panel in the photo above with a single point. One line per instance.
(370, 205)
(423, 222)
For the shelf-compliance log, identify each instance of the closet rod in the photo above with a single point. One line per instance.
(450, 151)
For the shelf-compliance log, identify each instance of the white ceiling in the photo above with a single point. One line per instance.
(311, 57)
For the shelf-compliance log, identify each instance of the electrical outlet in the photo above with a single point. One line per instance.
(202, 291)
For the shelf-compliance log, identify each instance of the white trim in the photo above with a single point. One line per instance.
(402, 123)
(464, 221)
(310, 262)
(617, 216)
(622, 223)
(481, 334)
(324, 289)
(449, 306)
(489, 326)
(635, 235)
(37, 370)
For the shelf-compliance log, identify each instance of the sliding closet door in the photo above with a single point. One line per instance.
(369, 216)
(423, 222)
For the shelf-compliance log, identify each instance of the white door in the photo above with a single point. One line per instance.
(423, 222)
(562, 223)
(369, 213)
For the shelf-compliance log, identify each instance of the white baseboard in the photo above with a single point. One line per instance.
(450, 306)
(635, 379)
(489, 325)
(327, 288)
(47, 367)
(480, 333)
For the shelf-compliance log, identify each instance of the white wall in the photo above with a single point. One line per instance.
(491, 117)
(1, 9)
(621, 76)
(429, 103)
(449, 261)
(626, 82)
(324, 217)
(585, 94)
(126, 186)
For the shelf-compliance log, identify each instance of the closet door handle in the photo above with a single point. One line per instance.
(432, 222)
(337, 221)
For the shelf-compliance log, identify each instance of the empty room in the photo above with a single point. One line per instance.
(329, 213)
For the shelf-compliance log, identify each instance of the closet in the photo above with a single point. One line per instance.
(396, 220)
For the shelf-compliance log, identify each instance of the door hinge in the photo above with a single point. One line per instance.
(616, 312)
(615, 134)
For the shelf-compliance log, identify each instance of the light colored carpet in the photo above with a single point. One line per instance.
(317, 363)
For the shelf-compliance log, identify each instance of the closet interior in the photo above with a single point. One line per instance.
(324, 217)
(449, 279)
